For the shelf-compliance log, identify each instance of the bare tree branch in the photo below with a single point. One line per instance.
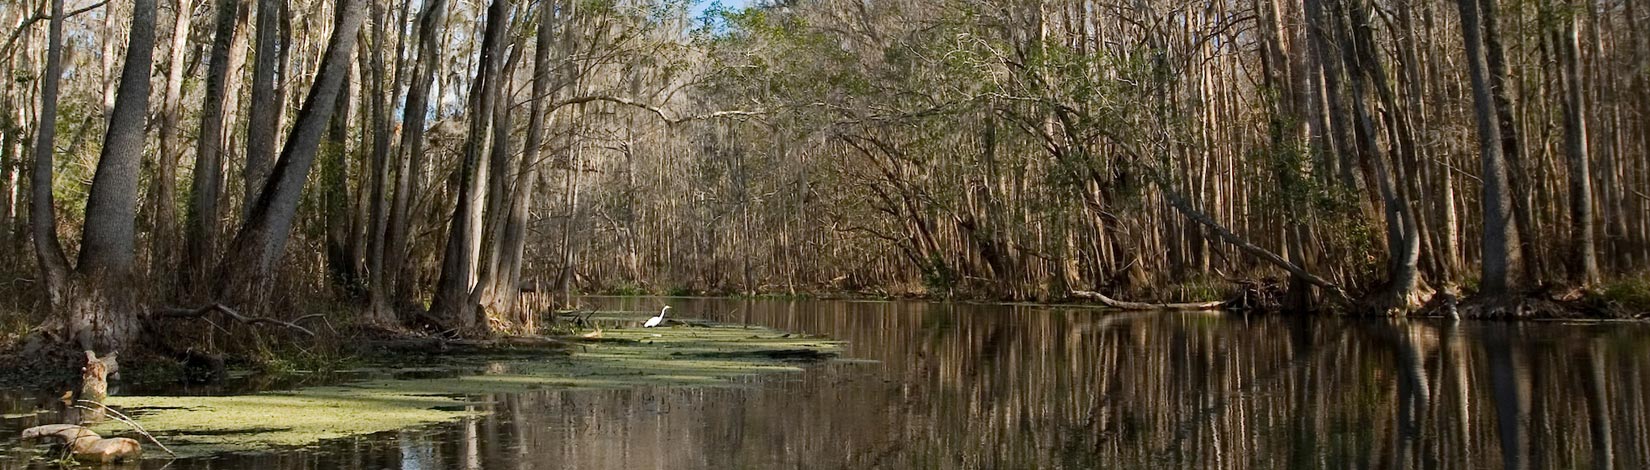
(663, 114)
(232, 314)
(11, 40)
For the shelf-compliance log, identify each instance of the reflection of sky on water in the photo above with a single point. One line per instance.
(969, 386)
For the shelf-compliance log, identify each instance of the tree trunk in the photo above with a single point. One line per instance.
(11, 137)
(99, 306)
(1583, 261)
(565, 277)
(1529, 259)
(264, 118)
(453, 303)
(379, 310)
(245, 270)
(1403, 235)
(1500, 237)
(335, 198)
(163, 233)
(108, 242)
(48, 250)
(411, 160)
(207, 187)
(515, 228)
(1289, 131)
(499, 192)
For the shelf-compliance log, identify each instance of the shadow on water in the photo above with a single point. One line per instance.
(976, 386)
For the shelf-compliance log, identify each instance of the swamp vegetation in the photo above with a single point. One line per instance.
(386, 393)
(959, 385)
(463, 168)
(213, 186)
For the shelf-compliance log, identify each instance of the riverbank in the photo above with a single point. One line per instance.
(1626, 298)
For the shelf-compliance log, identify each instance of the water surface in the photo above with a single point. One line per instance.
(932, 385)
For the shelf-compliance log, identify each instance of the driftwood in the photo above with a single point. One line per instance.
(86, 445)
(233, 315)
(1122, 305)
(127, 420)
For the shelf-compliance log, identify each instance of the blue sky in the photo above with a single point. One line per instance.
(699, 6)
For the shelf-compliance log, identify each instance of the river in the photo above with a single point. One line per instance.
(962, 386)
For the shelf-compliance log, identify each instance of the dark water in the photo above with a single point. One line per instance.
(970, 386)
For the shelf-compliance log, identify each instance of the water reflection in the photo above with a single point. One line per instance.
(965, 386)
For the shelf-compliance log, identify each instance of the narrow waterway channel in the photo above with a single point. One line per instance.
(934, 385)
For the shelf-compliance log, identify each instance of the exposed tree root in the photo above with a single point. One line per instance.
(1527, 306)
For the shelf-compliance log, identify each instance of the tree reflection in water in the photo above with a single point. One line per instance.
(975, 386)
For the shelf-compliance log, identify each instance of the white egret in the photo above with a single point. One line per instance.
(655, 321)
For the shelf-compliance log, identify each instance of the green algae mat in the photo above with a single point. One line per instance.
(690, 355)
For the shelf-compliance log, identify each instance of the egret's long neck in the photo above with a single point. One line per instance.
(662, 311)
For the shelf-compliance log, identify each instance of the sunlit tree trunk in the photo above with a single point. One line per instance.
(98, 305)
(379, 309)
(452, 302)
(1527, 261)
(1368, 79)
(499, 190)
(410, 156)
(1500, 239)
(515, 229)
(108, 240)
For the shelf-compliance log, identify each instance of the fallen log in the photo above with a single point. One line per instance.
(1122, 305)
(86, 445)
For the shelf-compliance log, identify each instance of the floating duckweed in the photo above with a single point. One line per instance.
(694, 356)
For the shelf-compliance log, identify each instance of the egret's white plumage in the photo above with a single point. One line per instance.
(655, 321)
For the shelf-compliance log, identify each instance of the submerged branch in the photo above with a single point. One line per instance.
(1124, 305)
(127, 420)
